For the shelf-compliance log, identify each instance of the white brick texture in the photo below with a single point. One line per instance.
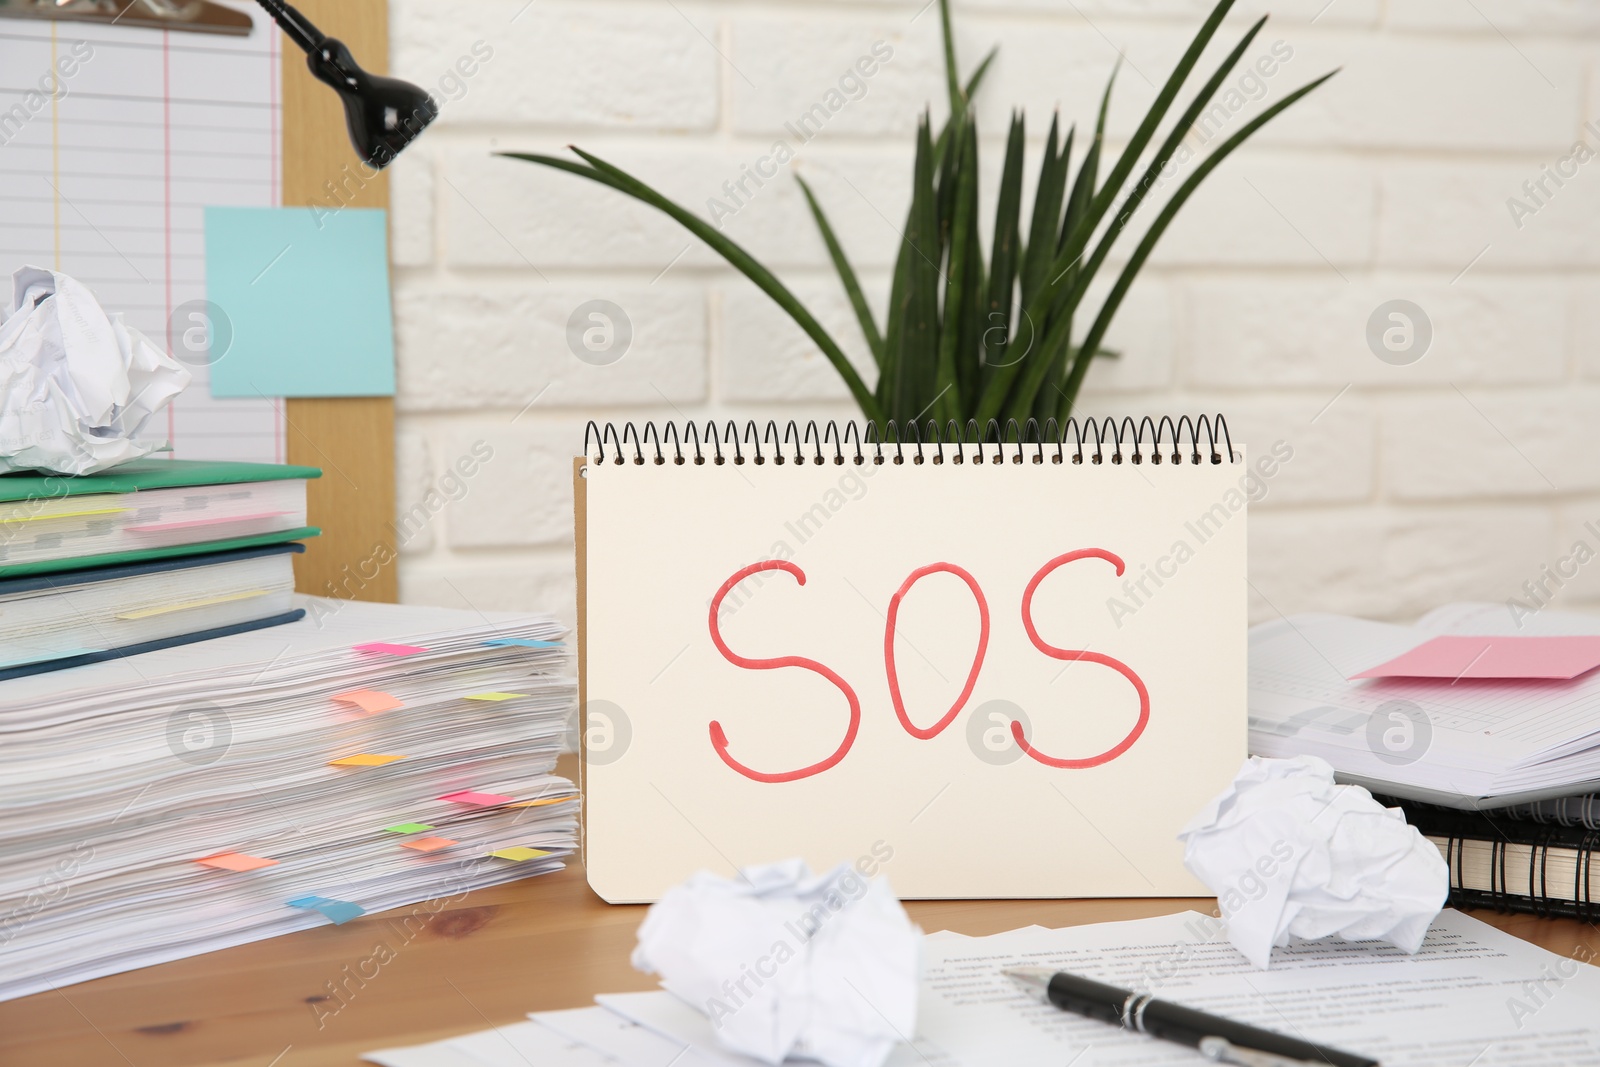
(1442, 166)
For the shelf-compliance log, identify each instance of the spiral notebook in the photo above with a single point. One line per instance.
(983, 664)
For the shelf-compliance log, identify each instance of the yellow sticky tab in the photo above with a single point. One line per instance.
(518, 853)
(363, 760)
(189, 605)
(47, 516)
(496, 697)
(540, 803)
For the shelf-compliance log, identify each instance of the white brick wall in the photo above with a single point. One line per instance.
(1457, 476)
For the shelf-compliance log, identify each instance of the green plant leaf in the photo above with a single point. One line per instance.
(1047, 197)
(995, 396)
(958, 100)
(606, 174)
(977, 75)
(958, 303)
(1076, 281)
(847, 275)
(995, 326)
(916, 364)
(1113, 300)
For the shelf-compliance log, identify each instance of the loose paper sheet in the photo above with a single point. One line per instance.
(665, 797)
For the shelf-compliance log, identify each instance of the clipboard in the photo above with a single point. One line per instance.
(192, 16)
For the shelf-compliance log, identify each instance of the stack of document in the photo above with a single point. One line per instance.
(1468, 741)
(1472, 995)
(366, 757)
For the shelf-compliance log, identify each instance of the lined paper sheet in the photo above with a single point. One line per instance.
(113, 139)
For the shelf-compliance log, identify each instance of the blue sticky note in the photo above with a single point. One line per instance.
(297, 304)
(338, 912)
(521, 642)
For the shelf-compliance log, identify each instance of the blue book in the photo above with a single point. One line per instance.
(54, 621)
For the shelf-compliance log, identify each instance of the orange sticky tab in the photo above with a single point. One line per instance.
(363, 760)
(236, 861)
(428, 844)
(370, 701)
(518, 853)
(540, 803)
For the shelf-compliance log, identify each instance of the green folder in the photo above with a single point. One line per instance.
(138, 476)
(145, 474)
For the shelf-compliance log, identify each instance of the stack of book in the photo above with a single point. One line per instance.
(365, 757)
(1501, 773)
(192, 756)
(151, 554)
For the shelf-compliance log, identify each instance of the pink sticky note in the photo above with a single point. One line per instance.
(370, 701)
(1456, 657)
(383, 648)
(236, 861)
(478, 800)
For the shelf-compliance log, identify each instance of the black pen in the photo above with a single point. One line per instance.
(1219, 1040)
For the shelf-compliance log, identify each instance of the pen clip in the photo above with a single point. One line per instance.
(1220, 1050)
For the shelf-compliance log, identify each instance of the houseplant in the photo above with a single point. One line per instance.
(968, 338)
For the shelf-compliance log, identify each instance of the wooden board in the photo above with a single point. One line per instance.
(352, 440)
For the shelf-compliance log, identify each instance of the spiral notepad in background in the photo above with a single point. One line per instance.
(1002, 669)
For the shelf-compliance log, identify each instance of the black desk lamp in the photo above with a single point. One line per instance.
(384, 114)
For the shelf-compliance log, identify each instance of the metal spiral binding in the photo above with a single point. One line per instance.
(1107, 440)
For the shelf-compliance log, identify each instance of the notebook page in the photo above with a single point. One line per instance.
(1481, 738)
(108, 178)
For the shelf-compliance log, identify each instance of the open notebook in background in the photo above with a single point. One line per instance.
(1472, 744)
(108, 181)
(1447, 1006)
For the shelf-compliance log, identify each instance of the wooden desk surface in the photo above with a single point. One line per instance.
(323, 996)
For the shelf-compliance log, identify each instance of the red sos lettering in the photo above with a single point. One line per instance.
(719, 740)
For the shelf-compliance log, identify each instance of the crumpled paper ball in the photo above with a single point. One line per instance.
(1291, 854)
(784, 962)
(77, 385)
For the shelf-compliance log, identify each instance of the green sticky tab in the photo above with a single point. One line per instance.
(407, 828)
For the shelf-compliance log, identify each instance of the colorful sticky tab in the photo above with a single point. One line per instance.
(428, 844)
(495, 697)
(364, 759)
(236, 861)
(541, 802)
(338, 911)
(407, 828)
(370, 701)
(219, 520)
(522, 642)
(383, 648)
(518, 853)
(476, 799)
